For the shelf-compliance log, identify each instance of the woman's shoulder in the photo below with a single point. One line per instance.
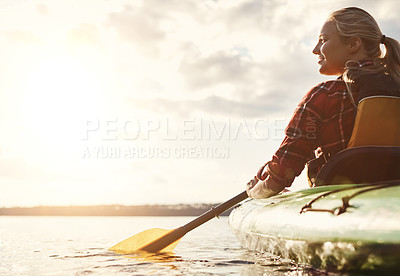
(325, 94)
(328, 88)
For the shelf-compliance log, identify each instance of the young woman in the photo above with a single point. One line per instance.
(348, 47)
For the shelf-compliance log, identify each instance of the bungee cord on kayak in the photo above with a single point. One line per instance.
(346, 199)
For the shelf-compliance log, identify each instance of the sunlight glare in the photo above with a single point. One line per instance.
(60, 95)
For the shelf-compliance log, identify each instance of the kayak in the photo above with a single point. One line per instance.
(347, 227)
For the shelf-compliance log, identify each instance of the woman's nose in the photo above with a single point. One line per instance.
(316, 49)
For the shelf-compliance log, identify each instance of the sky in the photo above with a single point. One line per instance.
(153, 101)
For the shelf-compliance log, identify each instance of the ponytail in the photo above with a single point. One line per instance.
(391, 60)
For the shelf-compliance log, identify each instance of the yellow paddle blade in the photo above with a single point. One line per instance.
(136, 242)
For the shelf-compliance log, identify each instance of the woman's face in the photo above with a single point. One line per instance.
(332, 51)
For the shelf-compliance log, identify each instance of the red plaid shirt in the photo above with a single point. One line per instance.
(323, 119)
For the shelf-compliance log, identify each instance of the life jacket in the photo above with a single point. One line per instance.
(377, 122)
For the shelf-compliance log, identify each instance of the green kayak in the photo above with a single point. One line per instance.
(354, 227)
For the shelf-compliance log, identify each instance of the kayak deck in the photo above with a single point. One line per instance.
(366, 236)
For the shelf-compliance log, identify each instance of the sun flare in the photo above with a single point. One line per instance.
(60, 95)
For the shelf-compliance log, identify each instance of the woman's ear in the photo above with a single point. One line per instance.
(354, 44)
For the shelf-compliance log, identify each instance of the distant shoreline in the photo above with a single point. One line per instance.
(111, 210)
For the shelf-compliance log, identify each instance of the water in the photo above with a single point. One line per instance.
(78, 246)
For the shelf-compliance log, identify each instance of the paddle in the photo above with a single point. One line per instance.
(161, 240)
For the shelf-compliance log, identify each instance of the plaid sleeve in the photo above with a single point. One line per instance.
(301, 138)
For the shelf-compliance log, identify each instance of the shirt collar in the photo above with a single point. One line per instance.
(363, 63)
(360, 64)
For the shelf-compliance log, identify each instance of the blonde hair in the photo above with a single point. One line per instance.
(355, 22)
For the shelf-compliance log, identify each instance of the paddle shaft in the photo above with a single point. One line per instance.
(178, 233)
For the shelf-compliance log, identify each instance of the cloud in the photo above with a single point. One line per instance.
(214, 105)
(153, 27)
(139, 27)
(85, 34)
(234, 53)
(251, 14)
(21, 37)
(220, 67)
(42, 9)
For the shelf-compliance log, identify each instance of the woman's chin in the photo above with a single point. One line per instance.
(322, 71)
(326, 71)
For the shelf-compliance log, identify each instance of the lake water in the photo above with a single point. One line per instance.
(79, 246)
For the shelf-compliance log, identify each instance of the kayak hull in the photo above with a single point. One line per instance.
(364, 237)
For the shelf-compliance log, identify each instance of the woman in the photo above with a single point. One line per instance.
(348, 47)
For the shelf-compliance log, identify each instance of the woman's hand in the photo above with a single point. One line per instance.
(260, 188)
